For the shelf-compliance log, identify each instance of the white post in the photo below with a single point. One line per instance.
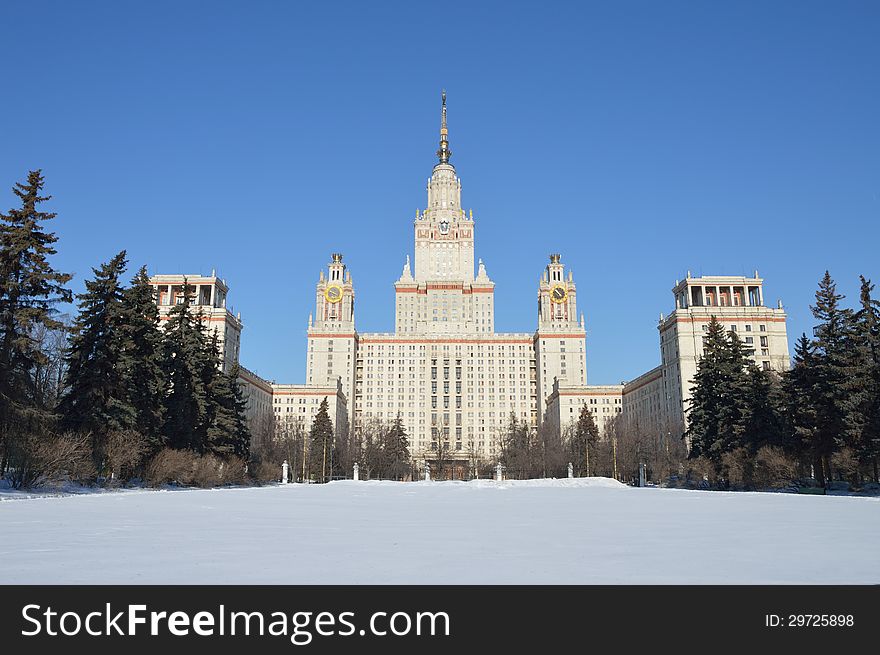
(427, 472)
(285, 468)
(570, 470)
(356, 469)
(642, 475)
(498, 472)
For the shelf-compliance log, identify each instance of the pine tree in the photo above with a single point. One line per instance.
(867, 377)
(707, 395)
(585, 443)
(763, 419)
(29, 290)
(833, 390)
(226, 430)
(186, 398)
(321, 442)
(96, 397)
(396, 450)
(141, 359)
(799, 384)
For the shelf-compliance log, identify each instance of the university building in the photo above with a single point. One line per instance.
(655, 402)
(454, 381)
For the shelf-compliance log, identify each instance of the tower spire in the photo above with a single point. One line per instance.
(444, 153)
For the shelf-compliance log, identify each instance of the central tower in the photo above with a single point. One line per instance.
(444, 234)
(444, 296)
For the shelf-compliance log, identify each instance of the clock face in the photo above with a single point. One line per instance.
(444, 227)
(333, 293)
(559, 293)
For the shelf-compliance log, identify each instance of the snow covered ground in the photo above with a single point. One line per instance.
(592, 531)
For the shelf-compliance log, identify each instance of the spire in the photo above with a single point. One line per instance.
(444, 153)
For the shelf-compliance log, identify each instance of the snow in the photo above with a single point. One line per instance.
(588, 531)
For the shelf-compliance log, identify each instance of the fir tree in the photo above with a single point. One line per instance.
(867, 376)
(141, 359)
(186, 398)
(396, 450)
(226, 432)
(763, 419)
(29, 289)
(321, 442)
(96, 397)
(718, 396)
(833, 391)
(800, 384)
(585, 443)
(707, 395)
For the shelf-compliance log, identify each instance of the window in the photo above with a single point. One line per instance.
(750, 340)
(766, 365)
(748, 328)
(764, 341)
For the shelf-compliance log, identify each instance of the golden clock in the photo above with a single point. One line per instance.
(333, 293)
(558, 293)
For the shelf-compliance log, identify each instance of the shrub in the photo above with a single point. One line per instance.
(50, 460)
(846, 464)
(124, 451)
(171, 466)
(700, 472)
(736, 466)
(185, 467)
(773, 469)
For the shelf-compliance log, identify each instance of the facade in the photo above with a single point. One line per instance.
(294, 406)
(454, 381)
(658, 400)
(451, 377)
(565, 402)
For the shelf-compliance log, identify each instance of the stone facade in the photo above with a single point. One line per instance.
(454, 380)
(658, 400)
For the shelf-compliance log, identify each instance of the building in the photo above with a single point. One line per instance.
(564, 405)
(453, 379)
(208, 301)
(658, 400)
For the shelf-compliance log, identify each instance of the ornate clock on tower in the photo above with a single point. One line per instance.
(444, 227)
(558, 293)
(333, 293)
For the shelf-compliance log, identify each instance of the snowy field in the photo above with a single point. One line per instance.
(592, 531)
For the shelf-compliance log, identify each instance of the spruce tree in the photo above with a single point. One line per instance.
(708, 396)
(29, 290)
(585, 443)
(833, 390)
(321, 442)
(96, 397)
(141, 359)
(226, 430)
(186, 398)
(396, 450)
(799, 384)
(763, 417)
(867, 377)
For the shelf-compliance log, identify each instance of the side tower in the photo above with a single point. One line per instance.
(208, 295)
(560, 342)
(332, 347)
(736, 302)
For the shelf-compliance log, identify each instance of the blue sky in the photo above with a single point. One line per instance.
(639, 139)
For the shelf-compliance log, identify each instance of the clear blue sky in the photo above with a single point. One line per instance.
(639, 139)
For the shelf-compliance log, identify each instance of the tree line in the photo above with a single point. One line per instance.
(819, 420)
(381, 450)
(112, 396)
